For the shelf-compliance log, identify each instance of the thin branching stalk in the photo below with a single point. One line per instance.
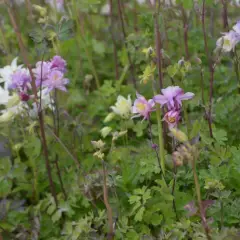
(153, 144)
(29, 9)
(65, 148)
(135, 12)
(34, 88)
(132, 67)
(57, 132)
(185, 32)
(161, 136)
(82, 42)
(200, 205)
(113, 40)
(173, 189)
(236, 68)
(107, 205)
(211, 70)
(225, 14)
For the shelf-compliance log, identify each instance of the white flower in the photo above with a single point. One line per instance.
(123, 106)
(47, 102)
(106, 9)
(7, 71)
(4, 96)
(14, 107)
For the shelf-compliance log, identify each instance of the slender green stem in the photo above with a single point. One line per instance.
(198, 192)
(82, 42)
(160, 138)
(236, 68)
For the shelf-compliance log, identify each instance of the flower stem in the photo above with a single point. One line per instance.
(107, 205)
(160, 139)
(236, 68)
(198, 192)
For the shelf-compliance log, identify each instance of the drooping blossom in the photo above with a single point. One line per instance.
(59, 64)
(172, 97)
(229, 40)
(7, 72)
(172, 118)
(20, 80)
(123, 106)
(56, 4)
(142, 107)
(56, 80)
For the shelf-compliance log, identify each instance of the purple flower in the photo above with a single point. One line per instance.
(41, 72)
(172, 118)
(20, 80)
(236, 27)
(228, 41)
(172, 96)
(59, 63)
(56, 80)
(142, 107)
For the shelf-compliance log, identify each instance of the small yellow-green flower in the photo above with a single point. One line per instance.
(123, 107)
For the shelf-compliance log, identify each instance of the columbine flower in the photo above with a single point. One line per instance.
(7, 71)
(172, 97)
(20, 80)
(56, 4)
(172, 118)
(41, 72)
(142, 107)
(123, 106)
(228, 41)
(59, 64)
(56, 80)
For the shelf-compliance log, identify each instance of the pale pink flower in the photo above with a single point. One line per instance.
(59, 63)
(142, 107)
(172, 97)
(172, 118)
(56, 80)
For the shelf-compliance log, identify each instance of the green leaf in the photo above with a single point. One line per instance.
(138, 217)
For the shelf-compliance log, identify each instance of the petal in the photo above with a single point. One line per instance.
(160, 99)
(186, 96)
(151, 103)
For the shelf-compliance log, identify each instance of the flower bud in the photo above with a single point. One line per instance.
(105, 131)
(109, 117)
(179, 135)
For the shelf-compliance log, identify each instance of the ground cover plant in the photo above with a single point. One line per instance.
(119, 119)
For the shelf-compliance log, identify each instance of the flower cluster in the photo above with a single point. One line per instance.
(230, 39)
(56, 4)
(16, 86)
(172, 98)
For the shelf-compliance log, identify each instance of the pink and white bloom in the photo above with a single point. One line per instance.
(229, 40)
(142, 107)
(172, 97)
(172, 118)
(42, 71)
(56, 80)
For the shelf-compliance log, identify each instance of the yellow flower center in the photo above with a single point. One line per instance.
(141, 107)
(171, 119)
